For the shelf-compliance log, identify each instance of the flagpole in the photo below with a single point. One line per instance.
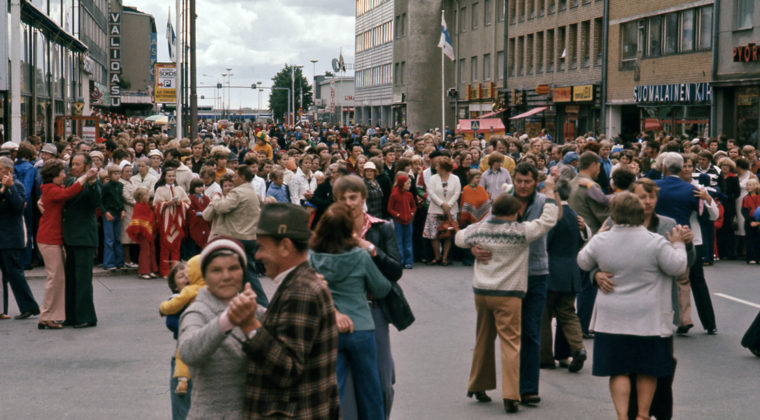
(443, 92)
(178, 51)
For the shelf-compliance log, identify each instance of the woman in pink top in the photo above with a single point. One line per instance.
(50, 239)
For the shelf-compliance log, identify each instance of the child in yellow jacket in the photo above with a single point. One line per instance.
(184, 280)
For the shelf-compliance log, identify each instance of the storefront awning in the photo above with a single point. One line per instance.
(491, 114)
(34, 17)
(533, 111)
(480, 125)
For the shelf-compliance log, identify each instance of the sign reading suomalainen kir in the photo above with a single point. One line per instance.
(674, 92)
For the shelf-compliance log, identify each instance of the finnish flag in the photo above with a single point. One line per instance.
(170, 38)
(445, 42)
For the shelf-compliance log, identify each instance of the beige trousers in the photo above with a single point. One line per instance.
(497, 315)
(54, 304)
(684, 299)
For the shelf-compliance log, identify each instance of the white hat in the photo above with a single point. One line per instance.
(695, 140)
(156, 152)
(50, 148)
(9, 145)
(97, 153)
(124, 163)
(369, 165)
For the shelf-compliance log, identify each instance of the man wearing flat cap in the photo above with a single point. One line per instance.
(292, 355)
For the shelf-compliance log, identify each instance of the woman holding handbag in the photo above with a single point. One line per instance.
(443, 190)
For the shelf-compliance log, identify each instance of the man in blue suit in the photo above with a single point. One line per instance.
(677, 199)
(12, 199)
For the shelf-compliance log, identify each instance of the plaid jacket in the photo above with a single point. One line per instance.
(293, 357)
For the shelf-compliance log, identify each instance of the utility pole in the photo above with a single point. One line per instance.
(293, 92)
(193, 77)
(180, 49)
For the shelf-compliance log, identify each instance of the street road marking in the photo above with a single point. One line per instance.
(748, 303)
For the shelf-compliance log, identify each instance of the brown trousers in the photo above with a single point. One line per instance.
(684, 299)
(497, 314)
(561, 306)
(54, 303)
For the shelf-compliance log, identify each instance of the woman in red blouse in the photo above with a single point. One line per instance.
(50, 239)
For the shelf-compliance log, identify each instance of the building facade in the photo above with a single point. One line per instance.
(659, 67)
(335, 99)
(374, 61)
(736, 83)
(137, 61)
(50, 68)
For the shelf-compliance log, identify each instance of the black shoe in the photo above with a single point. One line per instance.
(712, 331)
(26, 314)
(530, 399)
(684, 329)
(85, 325)
(578, 358)
(481, 396)
(551, 365)
(511, 406)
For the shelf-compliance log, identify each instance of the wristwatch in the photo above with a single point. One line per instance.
(372, 250)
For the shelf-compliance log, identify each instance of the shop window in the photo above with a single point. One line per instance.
(671, 33)
(744, 10)
(705, 27)
(687, 30)
(747, 111)
(655, 36)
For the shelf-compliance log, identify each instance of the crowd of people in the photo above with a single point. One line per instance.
(536, 218)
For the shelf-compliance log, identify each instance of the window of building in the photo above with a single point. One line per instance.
(511, 57)
(396, 28)
(654, 47)
(572, 46)
(705, 27)
(551, 7)
(586, 43)
(629, 40)
(474, 68)
(462, 68)
(744, 10)
(541, 7)
(687, 30)
(500, 65)
(403, 24)
(520, 10)
(562, 5)
(529, 54)
(402, 72)
(671, 34)
(531, 9)
(512, 11)
(519, 57)
(475, 15)
(396, 81)
(486, 67)
(561, 48)
(539, 52)
(487, 12)
(598, 42)
(573, 3)
(463, 19)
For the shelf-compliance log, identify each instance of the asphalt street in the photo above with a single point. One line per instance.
(120, 369)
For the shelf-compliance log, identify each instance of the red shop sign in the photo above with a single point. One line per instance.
(746, 53)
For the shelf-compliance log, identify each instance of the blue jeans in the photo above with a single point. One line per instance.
(530, 346)
(357, 351)
(250, 272)
(180, 403)
(404, 239)
(113, 253)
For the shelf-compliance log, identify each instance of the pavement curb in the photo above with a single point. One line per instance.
(40, 274)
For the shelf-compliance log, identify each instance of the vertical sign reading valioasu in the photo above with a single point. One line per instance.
(114, 56)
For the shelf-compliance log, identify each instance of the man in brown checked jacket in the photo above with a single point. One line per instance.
(292, 355)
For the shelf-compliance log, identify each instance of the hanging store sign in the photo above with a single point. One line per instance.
(562, 94)
(583, 93)
(114, 56)
(746, 53)
(165, 90)
(543, 89)
(674, 92)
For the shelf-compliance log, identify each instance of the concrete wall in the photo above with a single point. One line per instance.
(729, 38)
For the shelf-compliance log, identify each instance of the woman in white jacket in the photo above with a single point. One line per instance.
(633, 322)
(443, 192)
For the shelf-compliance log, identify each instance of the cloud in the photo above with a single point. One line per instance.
(256, 38)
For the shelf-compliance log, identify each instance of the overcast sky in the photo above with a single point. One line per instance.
(256, 38)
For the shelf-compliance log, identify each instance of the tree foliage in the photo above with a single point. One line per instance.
(278, 101)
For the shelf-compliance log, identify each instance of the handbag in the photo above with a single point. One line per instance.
(396, 308)
(447, 227)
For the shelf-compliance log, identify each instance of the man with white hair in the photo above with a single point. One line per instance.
(678, 199)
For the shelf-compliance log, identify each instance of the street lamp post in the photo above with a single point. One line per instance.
(229, 92)
(314, 62)
(293, 89)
